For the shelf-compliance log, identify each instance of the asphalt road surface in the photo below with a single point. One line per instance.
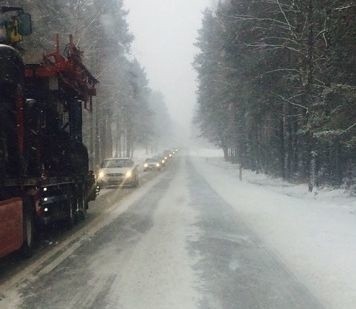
(172, 243)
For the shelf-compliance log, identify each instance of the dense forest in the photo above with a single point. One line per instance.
(126, 112)
(277, 87)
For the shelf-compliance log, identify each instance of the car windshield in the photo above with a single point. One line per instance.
(116, 163)
(151, 160)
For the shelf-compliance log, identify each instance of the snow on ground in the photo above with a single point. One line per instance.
(315, 236)
(340, 197)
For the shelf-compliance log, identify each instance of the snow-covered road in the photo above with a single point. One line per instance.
(197, 238)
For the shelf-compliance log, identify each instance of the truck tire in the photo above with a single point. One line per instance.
(28, 229)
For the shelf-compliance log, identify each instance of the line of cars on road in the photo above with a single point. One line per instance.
(156, 163)
(125, 172)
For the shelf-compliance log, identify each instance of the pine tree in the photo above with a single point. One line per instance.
(277, 86)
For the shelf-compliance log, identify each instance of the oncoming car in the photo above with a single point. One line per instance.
(152, 164)
(168, 154)
(121, 172)
(162, 159)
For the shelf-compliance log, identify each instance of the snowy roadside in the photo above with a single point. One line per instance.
(313, 235)
(332, 197)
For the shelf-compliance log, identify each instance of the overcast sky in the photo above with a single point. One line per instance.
(165, 31)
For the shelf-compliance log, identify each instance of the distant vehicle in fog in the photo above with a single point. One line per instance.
(174, 151)
(168, 154)
(121, 172)
(162, 160)
(154, 163)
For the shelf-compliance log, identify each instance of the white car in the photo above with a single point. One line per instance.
(152, 164)
(121, 172)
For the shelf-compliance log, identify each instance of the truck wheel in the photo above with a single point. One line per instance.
(28, 230)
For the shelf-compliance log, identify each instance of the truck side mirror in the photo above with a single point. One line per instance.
(25, 24)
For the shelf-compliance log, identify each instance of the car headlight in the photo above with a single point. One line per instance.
(128, 174)
(166, 158)
(101, 175)
(163, 161)
(158, 165)
(145, 165)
